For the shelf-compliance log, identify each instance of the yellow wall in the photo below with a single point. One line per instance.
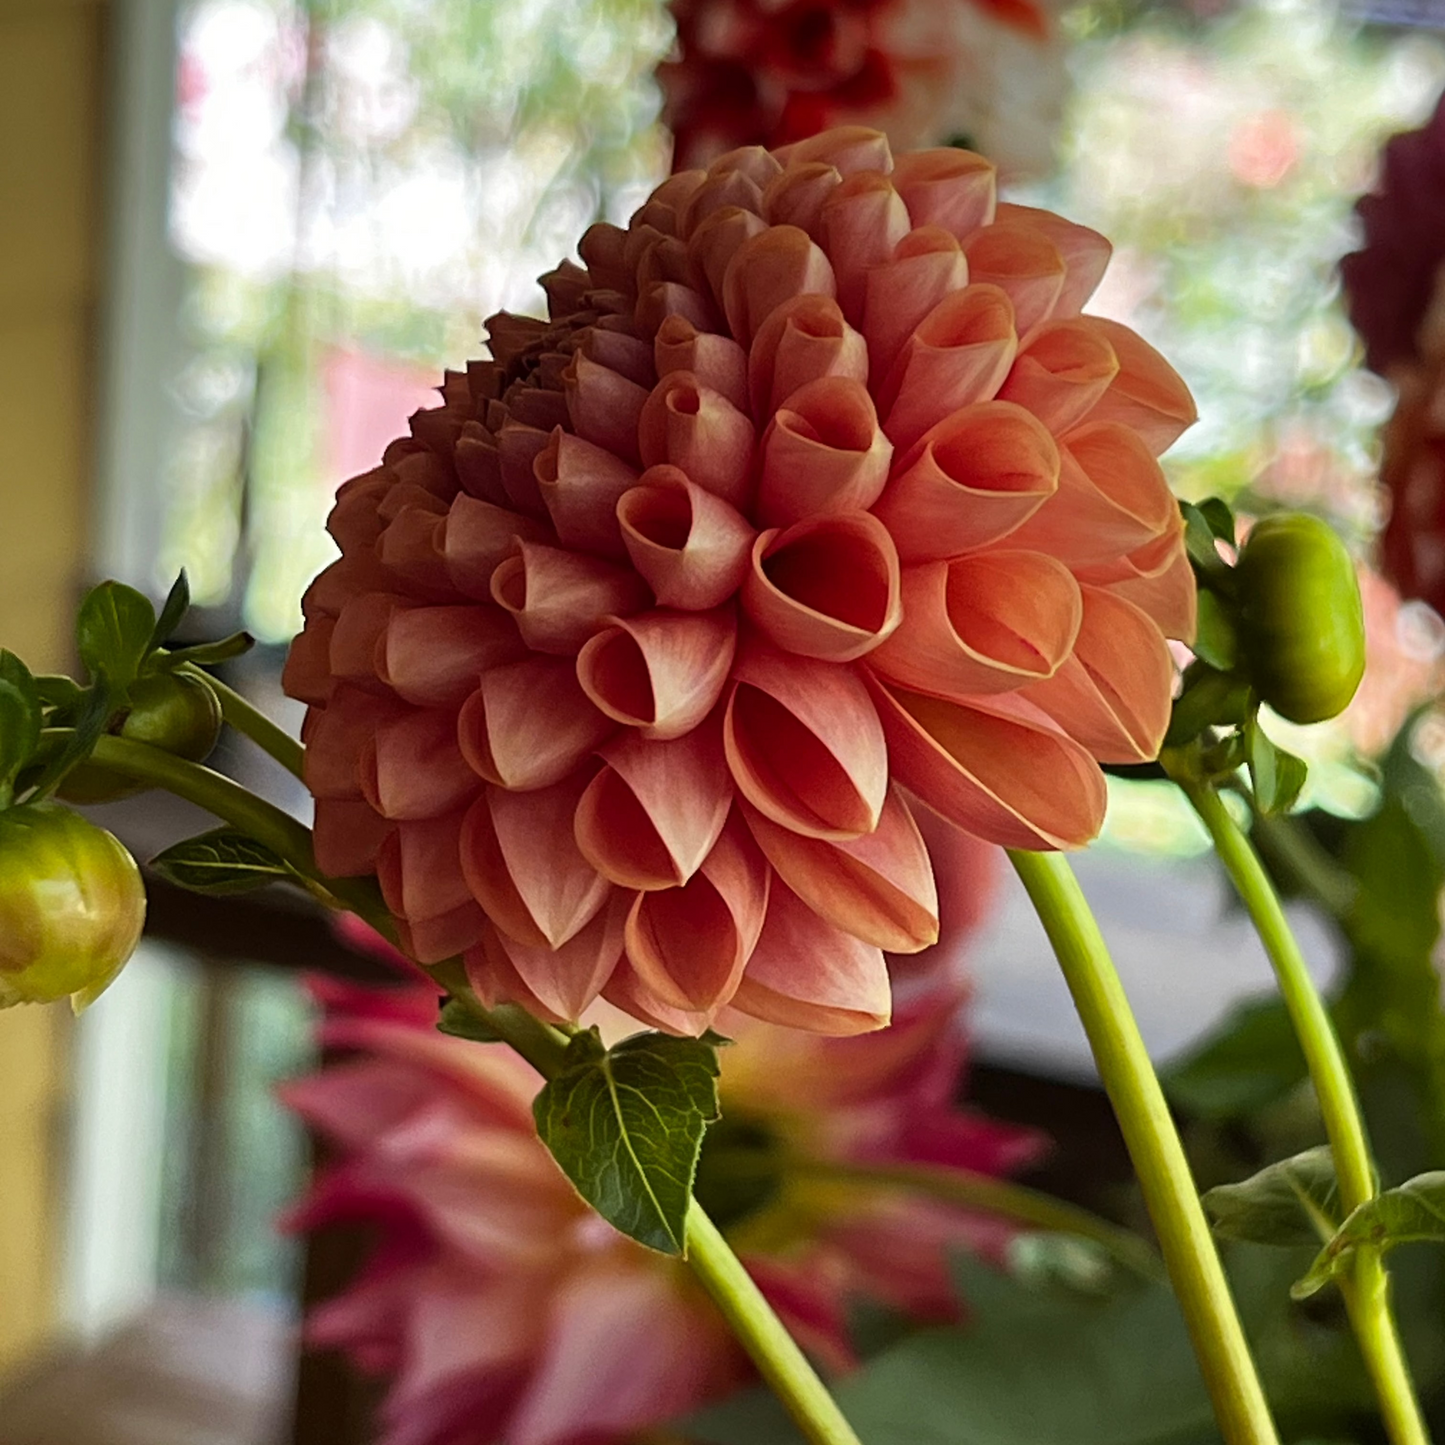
(50, 135)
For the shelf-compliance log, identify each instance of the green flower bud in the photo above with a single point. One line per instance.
(167, 710)
(71, 906)
(1302, 621)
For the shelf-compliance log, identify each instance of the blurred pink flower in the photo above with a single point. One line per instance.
(502, 1308)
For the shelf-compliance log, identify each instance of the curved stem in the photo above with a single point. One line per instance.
(247, 718)
(1153, 1143)
(1368, 1300)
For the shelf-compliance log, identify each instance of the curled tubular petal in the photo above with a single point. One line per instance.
(660, 672)
(1061, 372)
(689, 945)
(927, 265)
(972, 480)
(848, 148)
(717, 361)
(1147, 394)
(804, 339)
(1023, 262)
(1009, 777)
(559, 599)
(580, 484)
(806, 974)
(690, 545)
(827, 587)
(307, 674)
(420, 869)
(435, 656)
(413, 768)
(988, 623)
(1085, 253)
(878, 887)
(712, 246)
(771, 268)
(822, 452)
(654, 810)
(795, 196)
(1159, 579)
(604, 406)
(700, 431)
(477, 535)
(862, 221)
(337, 736)
(517, 448)
(360, 627)
(804, 744)
(947, 187)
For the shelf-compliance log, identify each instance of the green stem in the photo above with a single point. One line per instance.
(246, 718)
(1153, 1142)
(1368, 1300)
(774, 1351)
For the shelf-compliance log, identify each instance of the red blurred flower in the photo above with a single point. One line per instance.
(815, 496)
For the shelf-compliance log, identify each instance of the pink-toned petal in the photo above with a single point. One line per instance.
(601, 251)
(1023, 262)
(1159, 579)
(604, 406)
(926, 265)
(879, 887)
(1114, 696)
(580, 484)
(690, 426)
(420, 867)
(712, 247)
(654, 811)
(412, 767)
(1014, 780)
(412, 548)
(987, 623)
(690, 545)
(822, 452)
(442, 936)
(796, 196)
(521, 862)
(719, 189)
(958, 354)
(862, 221)
(807, 974)
(947, 187)
(435, 656)
(354, 639)
(559, 599)
(494, 979)
(1086, 253)
(477, 536)
(334, 586)
(662, 671)
(804, 339)
(337, 735)
(566, 979)
(755, 161)
(1061, 371)
(718, 362)
(848, 148)
(827, 587)
(663, 299)
(347, 835)
(625, 991)
(804, 744)
(478, 464)
(1147, 394)
(529, 724)
(772, 267)
(971, 481)
(620, 351)
(307, 674)
(689, 944)
(517, 447)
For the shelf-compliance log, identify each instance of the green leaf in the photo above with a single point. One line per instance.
(1292, 1202)
(95, 713)
(1252, 1061)
(113, 632)
(177, 603)
(20, 719)
(1275, 775)
(1199, 540)
(1216, 512)
(1215, 639)
(460, 1022)
(208, 654)
(626, 1125)
(58, 691)
(221, 862)
(1412, 1214)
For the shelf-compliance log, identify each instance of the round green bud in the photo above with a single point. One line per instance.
(71, 906)
(1302, 621)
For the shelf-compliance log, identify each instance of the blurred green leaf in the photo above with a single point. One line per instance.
(1275, 775)
(1253, 1060)
(20, 720)
(1215, 639)
(1292, 1202)
(113, 631)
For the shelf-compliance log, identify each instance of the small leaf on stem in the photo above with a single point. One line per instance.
(1276, 776)
(220, 863)
(461, 1022)
(178, 601)
(1292, 1202)
(20, 719)
(113, 632)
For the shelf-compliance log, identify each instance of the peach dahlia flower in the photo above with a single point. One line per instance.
(814, 498)
(502, 1308)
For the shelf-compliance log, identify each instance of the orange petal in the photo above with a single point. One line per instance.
(1011, 778)
(849, 148)
(479, 467)
(720, 189)
(660, 672)
(420, 867)
(975, 478)
(804, 744)
(495, 980)
(769, 269)
(334, 586)
(654, 811)
(802, 340)
(307, 674)
(1112, 499)
(565, 980)
(1115, 694)
(958, 354)
(822, 452)
(413, 768)
(517, 448)
(559, 599)
(1023, 262)
(947, 187)
(718, 362)
(756, 161)
(690, 545)
(601, 251)
(624, 990)
(522, 864)
(354, 638)
(411, 548)
(862, 221)
(337, 735)
(699, 430)
(659, 300)
(1147, 394)
(347, 835)
(689, 945)
(1085, 253)
(988, 623)
(926, 265)
(1061, 372)
(713, 245)
(444, 935)
(620, 351)
(796, 196)
(580, 484)
(806, 974)
(879, 887)
(529, 724)
(435, 656)
(604, 406)
(826, 587)
(477, 536)
(1159, 579)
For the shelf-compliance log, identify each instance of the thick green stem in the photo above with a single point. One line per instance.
(1153, 1142)
(1369, 1296)
(246, 718)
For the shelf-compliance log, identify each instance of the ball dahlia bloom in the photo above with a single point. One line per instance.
(502, 1308)
(814, 499)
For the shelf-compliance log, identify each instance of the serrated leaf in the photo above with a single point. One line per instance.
(1275, 775)
(221, 862)
(1215, 639)
(626, 1125)
(177, 603)
(1414, 1213)
(456, 1019)
(1251, 1061)
(113, 632)
(1295, 1201)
